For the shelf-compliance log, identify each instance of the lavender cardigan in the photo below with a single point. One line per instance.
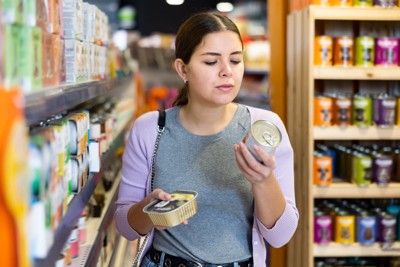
(135, 183)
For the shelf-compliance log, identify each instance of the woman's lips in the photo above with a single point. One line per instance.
(225, 87)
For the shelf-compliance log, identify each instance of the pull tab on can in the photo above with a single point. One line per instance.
(266, 135)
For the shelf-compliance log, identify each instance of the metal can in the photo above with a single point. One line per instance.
(385, 3)
(343, 51)
(366, 229)
(362, 110)
(264, 134)
(323, 50)
(322, 169)
(395, 211)
(398, 110)
(322, 111)
(342, 3)
(361, 169)
(321, 2)
(322, 228)
(344, 228)
(341, 111)
(363, 3)
(382, 167)
(387, 51)
(387, 228)
(365, 51)
(384, 110)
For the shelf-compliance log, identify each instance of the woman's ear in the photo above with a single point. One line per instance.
(180, 68)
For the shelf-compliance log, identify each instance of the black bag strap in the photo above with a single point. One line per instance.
(161, 118)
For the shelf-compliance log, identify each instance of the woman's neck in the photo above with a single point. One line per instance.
(206, 121)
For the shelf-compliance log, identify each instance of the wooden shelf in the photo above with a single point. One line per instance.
(355, 250)
(357, 73)
(354, 13)
(348, 190)
(356, 133)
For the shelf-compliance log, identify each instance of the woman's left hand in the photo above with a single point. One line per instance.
(254, 171)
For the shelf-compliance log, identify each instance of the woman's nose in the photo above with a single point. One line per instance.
(226, 70)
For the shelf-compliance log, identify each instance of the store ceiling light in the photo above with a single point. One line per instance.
(175, 2)
(224, 7)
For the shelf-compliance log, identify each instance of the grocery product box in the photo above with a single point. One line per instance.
(73, 61)
(47, 59)
(42, 15)
(30, 58)
(62, 70)
(72, 16)
(88, 22)
(28, 14)
(10, 13)
(56, 59)
(10, 55)
(54, 16)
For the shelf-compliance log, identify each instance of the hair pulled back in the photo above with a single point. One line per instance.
(191, 33)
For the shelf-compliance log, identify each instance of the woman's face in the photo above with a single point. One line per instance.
(215, 70)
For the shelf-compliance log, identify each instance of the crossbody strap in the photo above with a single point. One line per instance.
(161, 126)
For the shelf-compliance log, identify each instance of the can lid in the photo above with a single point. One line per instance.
(266, 133)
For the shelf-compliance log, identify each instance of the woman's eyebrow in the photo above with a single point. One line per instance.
(218, 54)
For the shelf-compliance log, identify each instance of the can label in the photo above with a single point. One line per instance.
(322, 170)
(323, 51)
(384, 111)
(387, 228)
(343, 55)
(382, 166)
(322, 111)
(322, 229)
(362, 111)
(361, 170)
(365, 51)
(341, 111)
(387, 51)
(264, 134)
(385, 3)
(363, 3)
(366, 230)
(342, 3)
(344, 229)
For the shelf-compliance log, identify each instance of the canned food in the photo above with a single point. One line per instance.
(387, 228)
(363, 3)
(396, 165)
(321, 2)
(384, 110)
(344, 228)
(387, 51)
(343, 54)
(385, 3)
(362, 111)
(322, 169)
(322, 111)
(382, 167)
(365, 51)
(264, 134)
(323, 51)
(322, 228)
(179, 208)
(341, 111)
(366, 229)
(361, 169)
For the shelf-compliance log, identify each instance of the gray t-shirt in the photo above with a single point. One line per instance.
(220, 231)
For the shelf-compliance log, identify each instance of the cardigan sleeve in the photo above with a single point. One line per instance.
(286, 225)
(135, 171)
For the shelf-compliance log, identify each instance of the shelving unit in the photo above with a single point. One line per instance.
(303, 26)
(40, 106)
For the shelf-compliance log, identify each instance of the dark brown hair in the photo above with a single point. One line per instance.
(190, 35)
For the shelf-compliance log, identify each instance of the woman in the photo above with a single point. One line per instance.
(241, 201)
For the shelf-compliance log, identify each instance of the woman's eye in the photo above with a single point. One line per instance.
(236, 61)
(210, 63)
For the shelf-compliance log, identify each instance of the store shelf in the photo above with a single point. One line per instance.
(356, 133)
(357, 73)
(354, 13)
(355, 250)
(78, 203)
(51, 101)
(90, 251)
(348, 190)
